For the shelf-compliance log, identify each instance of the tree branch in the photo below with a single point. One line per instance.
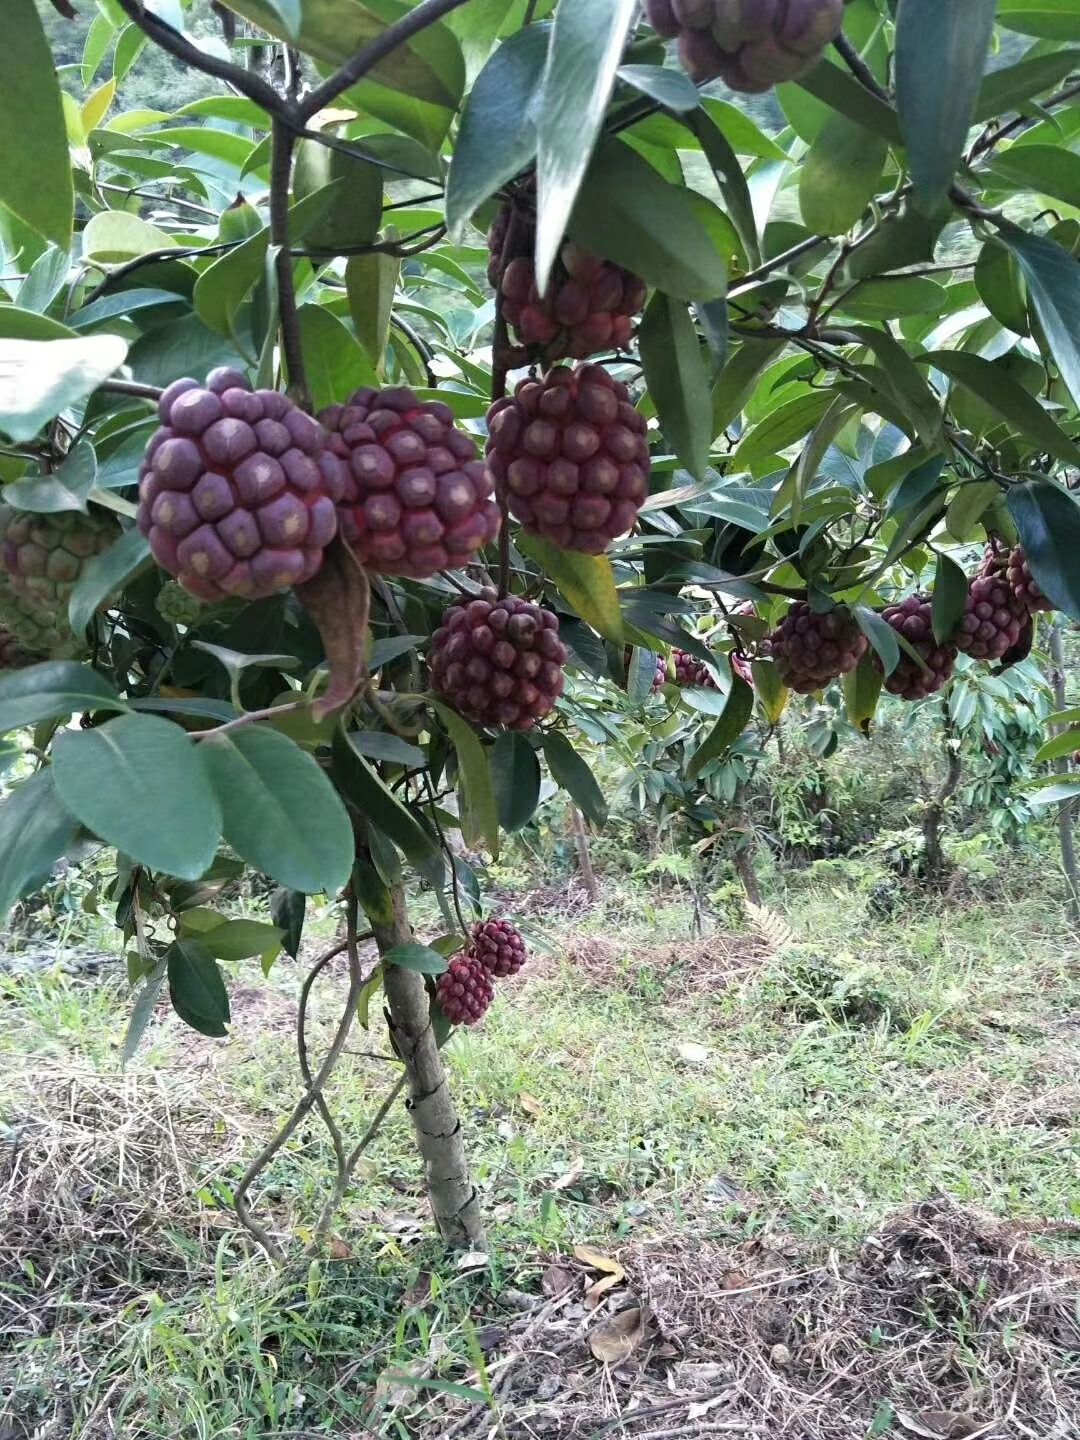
(180, 48)
(859, 68)
(283, 143)
(365, 60)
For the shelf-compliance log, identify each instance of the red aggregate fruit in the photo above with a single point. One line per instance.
(572, 453)
(811, 650)
(1024, 585)
(417, 497)
(499, 662)
(751, 44)
(237, 489)
(994, 616)
(913, 618)
(498, 946)
(691, 671)
(464, 991)
(590, 304)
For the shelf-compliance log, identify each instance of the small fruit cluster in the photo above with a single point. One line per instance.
(751, 45)
(466, 988)
(42, 558)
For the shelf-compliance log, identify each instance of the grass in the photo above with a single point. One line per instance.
(636, 1089)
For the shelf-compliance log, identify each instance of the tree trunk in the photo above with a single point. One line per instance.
(1062, 766)
(453, 1197)
(744, 852)
(581, 839)
(934, 866)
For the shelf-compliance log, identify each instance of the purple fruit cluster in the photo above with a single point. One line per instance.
(590, 304)
(238, 489)
(1023, 584)
(464, 990)
(499, 662)
(751, 44)
(498, 946)
(811, 650)
(691, 671)
(994, 616)
(916, 679)
(417, 497)
(573, 455)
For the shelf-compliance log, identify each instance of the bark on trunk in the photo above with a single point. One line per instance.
(453, 1197)
(581, 839)
(1062, 766)
(744, 852)
(934, 866)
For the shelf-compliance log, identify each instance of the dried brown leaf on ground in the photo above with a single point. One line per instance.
(613, 1341)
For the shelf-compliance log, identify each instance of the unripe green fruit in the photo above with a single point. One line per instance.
(177, 605)
(42, 558)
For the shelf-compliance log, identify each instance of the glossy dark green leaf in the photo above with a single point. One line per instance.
(587, 42)
(677, 379)
(335, 364)
(374, 800)
(840, 176)
(673, 89)
(731, 724)
(355, 213)
(736, 381)
(842, 92)
(142, 1012)
(1048, 519)
(373, 894)
(287, 910)
(139, 784)
(880, 634)
(53, 691)
(616, 216)
(104, 575)
(35, 831)
(569, 770)
(280, 812)
(888, 298)
(732, 181)
(940, 60)
(1009, 400)
(1051, 19)
(370, 282)
(196, 988)
(1010, 86)
(862, 691)
(1001, 288)
(516, 773)
(240, 939)
(1044, 169)
(1053, 279)
(497, 137)
(35, 170)
(913, 393)
(65, 489)
(950, 598)
(420, 958)
(479, 810)
(586, 581)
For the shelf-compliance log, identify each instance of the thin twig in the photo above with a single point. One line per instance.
(283, 142)
(302, 1051)
(332, 1205)
(132, 387)
(308, 1100)
(859, 68)
(251, 717)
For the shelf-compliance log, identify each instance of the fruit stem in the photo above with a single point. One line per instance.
(283, 143)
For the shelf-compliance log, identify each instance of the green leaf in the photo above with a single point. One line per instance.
(1053, 278)
(139, 784)
(780, 430)
(678, 383)
(380, 745)
(516, 774)
(862, 691)
(43, 377)
(731, 179)
(587, 43)
(113, 236)
(771, 692)
(1044, 169)
(373, 893)
(885, 299)
(67, 488)
(420, 958)
(1008, 399)
(672, 89)
(104, 575)
(736, 382)
(370, 283)
(616, 216)
(287, 910)
(373, 799)
(239, 939)
(479, 810)
(880, 634)
(587, 582)
(950, 598)
(840, 176)
(570, 771)
(290, 13)
(35, 830)
(910, 387)
(733, 721)
(1065, 744)
(335, 364)
(355, 213)
(1001, 287)
(53, 691)
(1051, 19)
(1009, 87)
(497, 137)
(196, 988)
(35, 171)
(281, 814)
(842, 92)
(1048, 519)
(142, 1011)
